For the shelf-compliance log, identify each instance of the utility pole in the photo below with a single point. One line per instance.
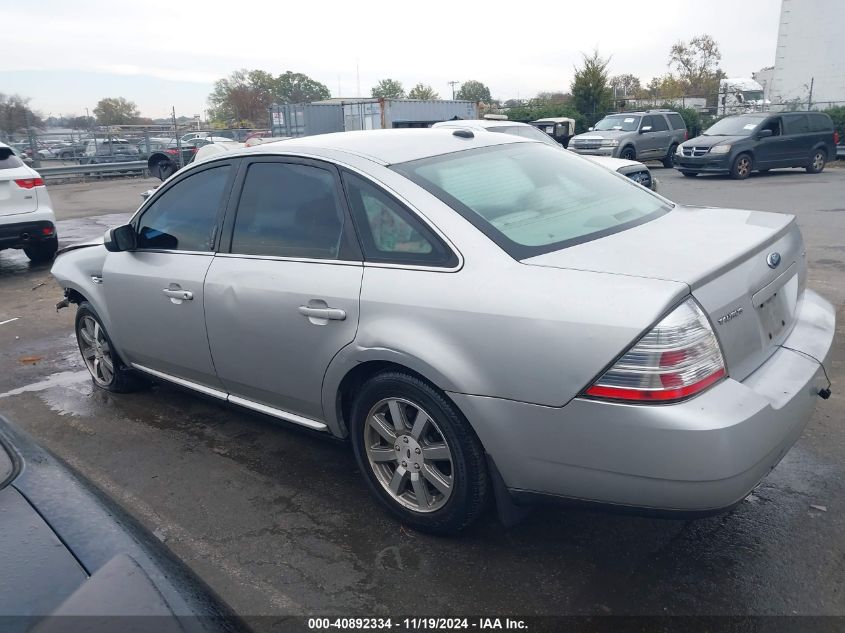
(178, 138)
(810, 99)
(453, 84)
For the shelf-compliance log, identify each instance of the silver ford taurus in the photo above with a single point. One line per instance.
(481, 315)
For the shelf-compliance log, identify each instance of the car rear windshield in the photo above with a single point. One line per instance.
(527, 131)
(626, 123)
(530, 198)
(735, 126)
(8, 160)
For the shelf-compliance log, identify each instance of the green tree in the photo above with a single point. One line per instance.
(697, 64)
(292, 87)
(473, 90)
(591, 92)
(423, 91)
(243, 96)
(625, 85)
(115, 111)
(14, 112)
(389, 89)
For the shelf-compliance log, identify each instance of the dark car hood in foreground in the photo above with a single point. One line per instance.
(65, 550)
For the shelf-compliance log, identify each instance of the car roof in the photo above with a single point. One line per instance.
(476, 124)
(387, 147)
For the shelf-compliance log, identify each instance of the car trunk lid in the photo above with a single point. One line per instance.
(721, 254)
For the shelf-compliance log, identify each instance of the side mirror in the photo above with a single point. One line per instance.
(121, 238)
(764, 133)
(645, 128)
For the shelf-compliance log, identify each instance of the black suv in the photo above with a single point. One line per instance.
(738, 145)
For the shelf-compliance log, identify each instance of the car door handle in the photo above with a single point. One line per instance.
(334, 314)
(185, 295)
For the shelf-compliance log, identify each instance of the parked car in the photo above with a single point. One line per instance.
(72, 554)
(26, 159)
(561, 129)
(632, 169)
(649, 135)
(211, 137)
(740, 145)
(26, 212)
(110, 151)
(146, 149)
(477, 313)
(164, 160)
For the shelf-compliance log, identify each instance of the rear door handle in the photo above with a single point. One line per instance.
(185, 295)
(334, 314)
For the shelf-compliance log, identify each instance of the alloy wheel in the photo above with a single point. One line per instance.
(743, 166)
(409, 454)
(96, 351)
(818, 161)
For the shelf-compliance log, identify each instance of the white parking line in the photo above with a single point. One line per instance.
(9, 321)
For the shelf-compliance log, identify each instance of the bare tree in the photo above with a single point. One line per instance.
(697, 64)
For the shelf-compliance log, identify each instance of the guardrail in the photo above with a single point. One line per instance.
(94, 169)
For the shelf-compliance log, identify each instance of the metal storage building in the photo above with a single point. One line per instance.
(338, 115)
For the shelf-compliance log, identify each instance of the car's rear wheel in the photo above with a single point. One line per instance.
(42, 251)
(106, 368)
(419, 456)
(817, 162)
(669, 160)
(742, 167)
(163, 169)
(628, 153)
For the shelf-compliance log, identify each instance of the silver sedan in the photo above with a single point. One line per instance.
(481, 315)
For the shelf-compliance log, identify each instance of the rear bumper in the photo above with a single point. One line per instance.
(715, 164)
(697, 456)
(23, 233)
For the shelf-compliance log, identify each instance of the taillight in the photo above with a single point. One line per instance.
(678, 358)
(686, 135)
(836, 137)
(29, 183)
(172, 152)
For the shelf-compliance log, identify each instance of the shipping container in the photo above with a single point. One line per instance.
(377, 114)
(306, 119)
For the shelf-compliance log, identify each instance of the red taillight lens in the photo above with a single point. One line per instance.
(172, 152)
(686, 135)
(47, 230)
(29, 183)
(678, 358)
(836, 137)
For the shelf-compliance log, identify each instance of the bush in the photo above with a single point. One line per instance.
(838, 116)
(690, 116)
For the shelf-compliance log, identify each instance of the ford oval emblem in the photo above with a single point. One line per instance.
(773, 259)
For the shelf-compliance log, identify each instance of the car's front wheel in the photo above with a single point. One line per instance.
(628, 153)
(419, 456)
(817, 162)
(669, 160)
(107, 369)
(742, 167)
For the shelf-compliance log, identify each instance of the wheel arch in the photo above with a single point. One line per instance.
(345, 376)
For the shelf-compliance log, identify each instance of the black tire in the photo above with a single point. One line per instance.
(470, 479)
(817, 162)
(690, 174)
(628, 153)
(742, 167)
(123, 379)
(669, 160)
(163, 169)
(42, 251)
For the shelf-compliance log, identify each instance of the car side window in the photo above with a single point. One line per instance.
(647, 121)
(820, 123)
(773, 125)
(659, 124)
(389, 232)
(288, 210)
(797, 124)
(184, 216)
(677, 121)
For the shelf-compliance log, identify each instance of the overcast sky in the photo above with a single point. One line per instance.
(68, 55)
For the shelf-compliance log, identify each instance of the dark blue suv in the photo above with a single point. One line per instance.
(760, 141)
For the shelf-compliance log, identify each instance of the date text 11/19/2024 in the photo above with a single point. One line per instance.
(417, 624)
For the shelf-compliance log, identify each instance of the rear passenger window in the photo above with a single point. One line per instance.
(8, 160)
(820, 123)
(389, 232)
(658, 124)
(288, 210)
(677, 121)
(796, 124)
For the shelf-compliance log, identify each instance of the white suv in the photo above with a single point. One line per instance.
(26, 212)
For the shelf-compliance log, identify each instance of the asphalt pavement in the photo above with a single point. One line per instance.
(278, 521)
